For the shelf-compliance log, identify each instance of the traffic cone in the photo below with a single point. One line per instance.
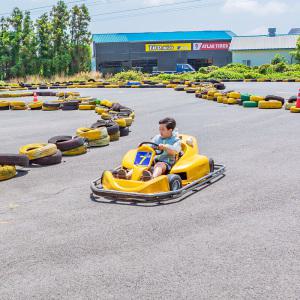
(35, 97)
(298, 100)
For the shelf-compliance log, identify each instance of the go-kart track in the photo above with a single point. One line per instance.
(237, 238)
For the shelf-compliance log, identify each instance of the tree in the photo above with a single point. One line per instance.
(278, 59)
(60, 38)
(296, 52)
(28, 49)
(5, 48)
(15, 21)
(44, 45)
(80, 39)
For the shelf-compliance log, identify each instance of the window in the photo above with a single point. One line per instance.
(246, 62)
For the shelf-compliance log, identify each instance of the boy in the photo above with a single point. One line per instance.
(167, 141)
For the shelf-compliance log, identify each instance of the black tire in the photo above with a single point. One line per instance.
(116, 107)
(14, 160)
(4, 107)
(72, 103)
(46, 94)
(69, 108)
(219, 86)
(51, 104)
(211, 165)
(112, 127)
(292, 99)
(48, 160)
(66, 143)
(273, 97)
(124, 131)
(175, 182)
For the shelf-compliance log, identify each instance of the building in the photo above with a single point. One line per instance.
(160, 51)
(259, 50)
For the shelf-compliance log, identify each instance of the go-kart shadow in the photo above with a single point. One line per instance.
(155, 203)
(21, 173)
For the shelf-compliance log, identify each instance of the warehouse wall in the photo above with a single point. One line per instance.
(127, 52)
(259, 57)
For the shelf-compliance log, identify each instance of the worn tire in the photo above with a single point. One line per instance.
(76, 151)
(115, 137)
(294, 109)
(92, 134)
(7, 172)
(250, 103)
(48, 160)
(65, 143)
(271, 104)
(14, 160)
(34, 151)
(124, 131)
(277, 98)
(112, 127)
(99, 143)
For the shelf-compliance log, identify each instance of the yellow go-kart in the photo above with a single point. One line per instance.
(190, 171)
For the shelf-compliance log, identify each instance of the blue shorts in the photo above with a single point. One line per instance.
(168, 165)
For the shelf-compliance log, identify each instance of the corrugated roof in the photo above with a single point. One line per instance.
(284, 41)
(295, 31)
(162, 36)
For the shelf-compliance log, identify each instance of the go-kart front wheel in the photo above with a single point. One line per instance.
(175, 182)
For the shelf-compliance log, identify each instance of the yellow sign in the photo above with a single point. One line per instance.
(168, 47)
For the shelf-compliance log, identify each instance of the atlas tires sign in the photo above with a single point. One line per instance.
(211, 46)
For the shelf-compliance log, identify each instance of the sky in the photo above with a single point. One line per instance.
(243, 17)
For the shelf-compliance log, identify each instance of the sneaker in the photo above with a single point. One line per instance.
(120, 174)
(146, 176)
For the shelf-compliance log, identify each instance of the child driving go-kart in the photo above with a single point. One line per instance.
(169, 145)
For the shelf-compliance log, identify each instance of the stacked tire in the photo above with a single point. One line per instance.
(68, 145)
(8, 163)
(42, 154)
(113, 129)
(95, 137)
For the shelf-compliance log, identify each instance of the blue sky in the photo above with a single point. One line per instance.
(243, 17)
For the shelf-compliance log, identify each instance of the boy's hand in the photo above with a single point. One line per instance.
(161, 147)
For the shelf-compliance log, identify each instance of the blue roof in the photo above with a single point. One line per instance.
(162, 36)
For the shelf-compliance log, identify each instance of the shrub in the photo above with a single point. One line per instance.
(278, 59)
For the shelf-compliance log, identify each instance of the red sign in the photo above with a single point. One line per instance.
(211, 46)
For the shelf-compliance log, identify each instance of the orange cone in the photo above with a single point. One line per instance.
(35, 97)
(298, 100)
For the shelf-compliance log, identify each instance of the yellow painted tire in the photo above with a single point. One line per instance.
(101, 110)
(132, 115)
(211, 92)
(232, 101)
(106, 103)
(7, 172)
(4, 103)
(272, 104)
(220, 99)
(106, 116)
(115, 137)
(121, 122)
(204, 96)
(18, 107)
(92, 134)
(86, 107)
(17, 103)
(234, 95)
(100, 143)
(34, 151)
(225, 100)
(256, 98)
(128, 121)
(48, 108)
(33, 105)
(210, 97)
(76, 151)
(289, 105)
(294, 109)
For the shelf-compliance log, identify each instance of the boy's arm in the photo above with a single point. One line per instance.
(172, 149)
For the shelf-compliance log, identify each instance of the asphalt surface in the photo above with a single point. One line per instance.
(239, 238)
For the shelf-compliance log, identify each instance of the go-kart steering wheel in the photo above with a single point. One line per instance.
(154, 146)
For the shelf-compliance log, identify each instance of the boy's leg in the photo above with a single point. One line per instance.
(159, 169)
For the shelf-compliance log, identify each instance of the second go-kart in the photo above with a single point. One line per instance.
(190, 171)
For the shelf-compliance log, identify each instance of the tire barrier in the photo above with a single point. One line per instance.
(100, 134)
(270, 104)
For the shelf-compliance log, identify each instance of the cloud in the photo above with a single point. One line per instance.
(254, 7)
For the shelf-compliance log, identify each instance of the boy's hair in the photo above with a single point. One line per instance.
(169, 122)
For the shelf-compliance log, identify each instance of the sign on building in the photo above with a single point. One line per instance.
(211, 46)
(168, 47)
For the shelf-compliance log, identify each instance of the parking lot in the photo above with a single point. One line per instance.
(238, 238)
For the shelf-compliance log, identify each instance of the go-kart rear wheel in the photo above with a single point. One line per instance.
(211, 165)
(175, 182)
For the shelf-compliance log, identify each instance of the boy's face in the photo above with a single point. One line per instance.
(164, 131)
